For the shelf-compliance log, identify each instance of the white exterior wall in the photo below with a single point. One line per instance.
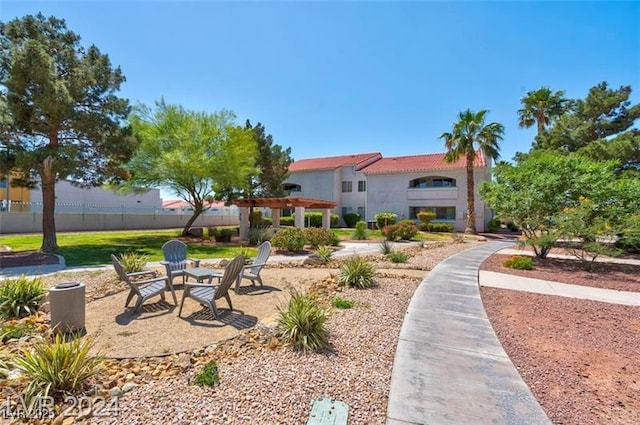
(353, 199)
(66, 193)
(391, 193)
(322, 184)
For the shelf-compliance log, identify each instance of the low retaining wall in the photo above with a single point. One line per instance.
(32, 222)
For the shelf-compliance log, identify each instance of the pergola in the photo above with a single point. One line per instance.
(277, 204)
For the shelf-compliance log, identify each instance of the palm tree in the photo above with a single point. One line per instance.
(541, 107)
(470, 135)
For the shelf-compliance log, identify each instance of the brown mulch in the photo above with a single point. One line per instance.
(20, 259)
(580, 358)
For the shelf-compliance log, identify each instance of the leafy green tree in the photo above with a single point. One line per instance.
(60, 117)
(272, 169)
(191, 153)
(539, 192)
(540, 107)
(601, 126)
(469, 135)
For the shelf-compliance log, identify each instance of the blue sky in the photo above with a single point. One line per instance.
(333, 78)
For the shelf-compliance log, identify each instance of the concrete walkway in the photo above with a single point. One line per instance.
(449, 366)
(519, 283)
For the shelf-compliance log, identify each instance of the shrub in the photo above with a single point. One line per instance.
(290, 239)
(512, 226)
(361, 231)
(397, 257)
(341, 303)
(20, 296)
(257, 235)
(267, 221)
(385, 219)
(318, 236)
(302, 324)
(425, 217)
(222, 234)
(133, 262)
(519, 262)
(351, 219)
(385, 247)
(357, 272)
(208, 376)
(405, 230)
(287, 221)
(58, 367)
(324, 252)
(440, 227)
(314, 219)
(493, 225)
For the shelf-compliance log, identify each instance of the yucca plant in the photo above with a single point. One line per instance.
(357, 272)
(324, 252)
(386, 247)
(301, 324)
(20, 296)
(133, 262)
(4, 365)
(57, 367)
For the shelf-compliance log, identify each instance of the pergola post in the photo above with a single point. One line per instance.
(275, 217)
(299, 221)
(326, 218)
(244, 223)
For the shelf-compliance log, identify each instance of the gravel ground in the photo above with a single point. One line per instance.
(278, 386)
(580, 358)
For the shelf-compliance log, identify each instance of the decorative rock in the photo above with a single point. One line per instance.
(128, 387)
(116, 392)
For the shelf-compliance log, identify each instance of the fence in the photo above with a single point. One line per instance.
(26, 217)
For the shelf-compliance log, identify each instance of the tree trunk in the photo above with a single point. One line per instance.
(471, 212)
(192, 219)
(48, 175)
(541, 123)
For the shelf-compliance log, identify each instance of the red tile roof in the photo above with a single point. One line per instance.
(333, 162)
(429, 162)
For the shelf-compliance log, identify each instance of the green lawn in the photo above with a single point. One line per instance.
(92, 248)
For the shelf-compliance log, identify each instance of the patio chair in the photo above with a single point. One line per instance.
(207, 294)
(175, 259)
(143, 289)
(252, 271)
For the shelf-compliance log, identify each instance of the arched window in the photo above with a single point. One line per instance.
(432, 181)
(290, 187)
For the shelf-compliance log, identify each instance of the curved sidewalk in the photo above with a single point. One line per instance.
(449, 366)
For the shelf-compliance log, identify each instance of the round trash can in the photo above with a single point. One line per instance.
(66, 302)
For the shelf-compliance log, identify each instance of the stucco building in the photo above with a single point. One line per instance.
(368, 184)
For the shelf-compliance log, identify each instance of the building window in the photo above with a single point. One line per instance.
(290, 187)
(442, 213)
(362, 185)
(361, 212)
(3, 184)
(428, 182)
(346, 210)
(347, 186)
